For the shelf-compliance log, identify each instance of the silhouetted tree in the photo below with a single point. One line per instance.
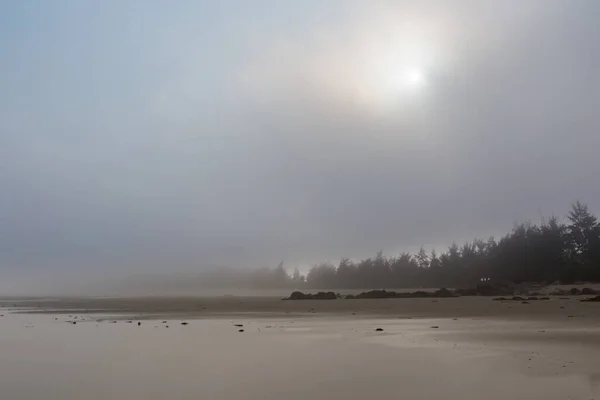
(583, 235)
(422, 258)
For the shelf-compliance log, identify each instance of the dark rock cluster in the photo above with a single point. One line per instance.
(309, 296)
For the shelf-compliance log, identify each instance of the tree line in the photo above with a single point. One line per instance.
(551, 251)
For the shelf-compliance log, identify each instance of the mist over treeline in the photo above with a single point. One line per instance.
(551, 251)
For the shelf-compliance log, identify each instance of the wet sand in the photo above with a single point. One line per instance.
(465, 348)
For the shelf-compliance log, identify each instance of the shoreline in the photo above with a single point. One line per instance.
(559, 308)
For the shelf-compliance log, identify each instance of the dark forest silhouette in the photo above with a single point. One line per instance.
(549, 252)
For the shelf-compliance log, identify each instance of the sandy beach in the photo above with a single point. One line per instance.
(463, 348)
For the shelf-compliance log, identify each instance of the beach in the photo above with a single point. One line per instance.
(461, 348)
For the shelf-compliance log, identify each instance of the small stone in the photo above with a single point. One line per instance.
(379, 330)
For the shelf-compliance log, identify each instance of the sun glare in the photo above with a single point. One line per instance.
(414, 77)
(399, 72)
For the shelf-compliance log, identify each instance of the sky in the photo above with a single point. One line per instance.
(150, 135)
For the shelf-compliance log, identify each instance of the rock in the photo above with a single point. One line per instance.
(379, 330)
(589, 291)
(240, 330)
(560, 292)
(435, 327)
(384, 294)
(518, 298)
(483, 289)
(495, 289)
(544, 298)
(308, 296)
(592, 299)
(524, 302)
(532, 298)
(139, 323)
(241, 325)
(376, 294)
(500, 299)
(164, 322)
(443, 292)
(574, 292)
(184, 323)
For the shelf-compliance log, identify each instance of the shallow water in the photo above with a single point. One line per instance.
(316, 358)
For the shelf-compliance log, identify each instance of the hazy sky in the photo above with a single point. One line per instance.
(148, 135)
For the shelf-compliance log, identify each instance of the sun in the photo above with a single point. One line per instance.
(405, 81)
(414, 78)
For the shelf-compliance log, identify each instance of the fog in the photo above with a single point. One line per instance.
(151, 138)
